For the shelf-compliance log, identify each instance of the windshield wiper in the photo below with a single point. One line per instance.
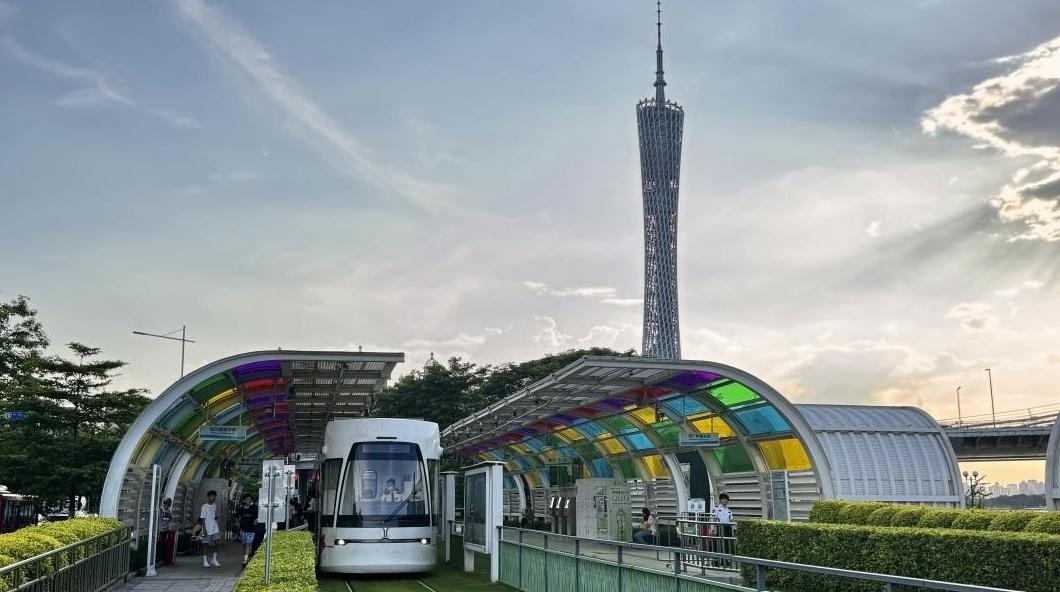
(398, 508)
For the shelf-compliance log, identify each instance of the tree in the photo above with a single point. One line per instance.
(442, 393)
(73, 419)
(446, 393)
(505, 379)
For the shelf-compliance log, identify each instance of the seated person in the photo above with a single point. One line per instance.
(646, 531)
(391, 493)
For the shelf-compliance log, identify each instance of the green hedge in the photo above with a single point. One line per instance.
(973, 520)
(31, 541)
(1048, 522)
(858, 512)
(908, 516)
(939, 518)
(881, 514)
(293, 565)
(1014, 560)
(1013, 520)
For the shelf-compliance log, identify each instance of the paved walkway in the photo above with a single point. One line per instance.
(188, 575)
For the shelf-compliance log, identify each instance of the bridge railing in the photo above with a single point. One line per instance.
(85, 566)
(569, 554)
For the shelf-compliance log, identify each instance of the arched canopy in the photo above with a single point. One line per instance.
(624, 418)
(895, 454)
(272, 403)
(1052, 468)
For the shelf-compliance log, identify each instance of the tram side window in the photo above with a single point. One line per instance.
(385, 486)
(10, 518)
(330, 489)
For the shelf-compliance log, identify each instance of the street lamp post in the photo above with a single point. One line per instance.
(959, 422)
(990, 377)
(183, 339)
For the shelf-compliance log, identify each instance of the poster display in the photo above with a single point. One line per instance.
(475, 493)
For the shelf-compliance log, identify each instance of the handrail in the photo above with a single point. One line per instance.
(759, 564)
(36, 558)
(87, 565)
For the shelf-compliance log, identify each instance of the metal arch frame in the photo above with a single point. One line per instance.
(172, 395)
(1052, 468)
(800, 428)
(948, 451)
(933, 428)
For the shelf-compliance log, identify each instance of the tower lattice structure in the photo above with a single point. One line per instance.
(660, 124)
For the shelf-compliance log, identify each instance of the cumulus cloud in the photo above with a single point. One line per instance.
(974, 316)
(1016, 114)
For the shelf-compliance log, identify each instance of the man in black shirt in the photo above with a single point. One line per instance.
(248, 518)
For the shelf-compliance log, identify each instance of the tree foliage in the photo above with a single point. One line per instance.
(72, 418)
(445, 393)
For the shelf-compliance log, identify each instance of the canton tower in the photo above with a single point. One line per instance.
(659, 123)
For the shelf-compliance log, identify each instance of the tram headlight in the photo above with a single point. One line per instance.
(425, 541)
(340, 541)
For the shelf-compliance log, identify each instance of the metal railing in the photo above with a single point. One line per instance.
(677, 565)
(90, 565)
(707, 534)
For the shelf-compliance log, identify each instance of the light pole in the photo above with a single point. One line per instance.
(959, 422)
(183, 339)
(990, 377)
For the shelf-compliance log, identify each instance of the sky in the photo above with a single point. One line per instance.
(870, 199)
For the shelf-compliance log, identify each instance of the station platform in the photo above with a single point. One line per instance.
(188, 575)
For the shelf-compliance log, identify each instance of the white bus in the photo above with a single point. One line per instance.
(378, 496)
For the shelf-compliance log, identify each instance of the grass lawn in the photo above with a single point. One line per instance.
(442, 579)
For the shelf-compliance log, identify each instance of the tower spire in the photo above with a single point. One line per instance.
(660, 95)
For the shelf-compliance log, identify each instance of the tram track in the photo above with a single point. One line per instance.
(376, 586)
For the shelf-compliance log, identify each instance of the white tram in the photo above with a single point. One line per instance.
(378, 496)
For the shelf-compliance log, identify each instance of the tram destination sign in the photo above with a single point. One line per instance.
(699, 440)
(222, 433)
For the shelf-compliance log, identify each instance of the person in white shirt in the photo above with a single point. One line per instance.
(723, 516)
(211, 532)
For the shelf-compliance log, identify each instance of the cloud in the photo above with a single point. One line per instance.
(974, 316)
(588, 292)
(461, 341)
(623, 301)
(95, 89)
(1025, 286)
(873, 229)
(1016, 114)
(605, 294)
(254, 60)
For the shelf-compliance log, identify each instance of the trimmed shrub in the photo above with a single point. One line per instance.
(1048, 522)
(939, 518)
(31, 541)
(973, 520)
(858, 512)
(908, 516)
(293, 565)
(882, 516)
(826, 512)
(1013, 520)
(989, 558)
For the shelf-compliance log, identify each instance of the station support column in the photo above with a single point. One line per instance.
(448, 509)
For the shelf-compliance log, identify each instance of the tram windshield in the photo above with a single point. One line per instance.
(385, 486)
